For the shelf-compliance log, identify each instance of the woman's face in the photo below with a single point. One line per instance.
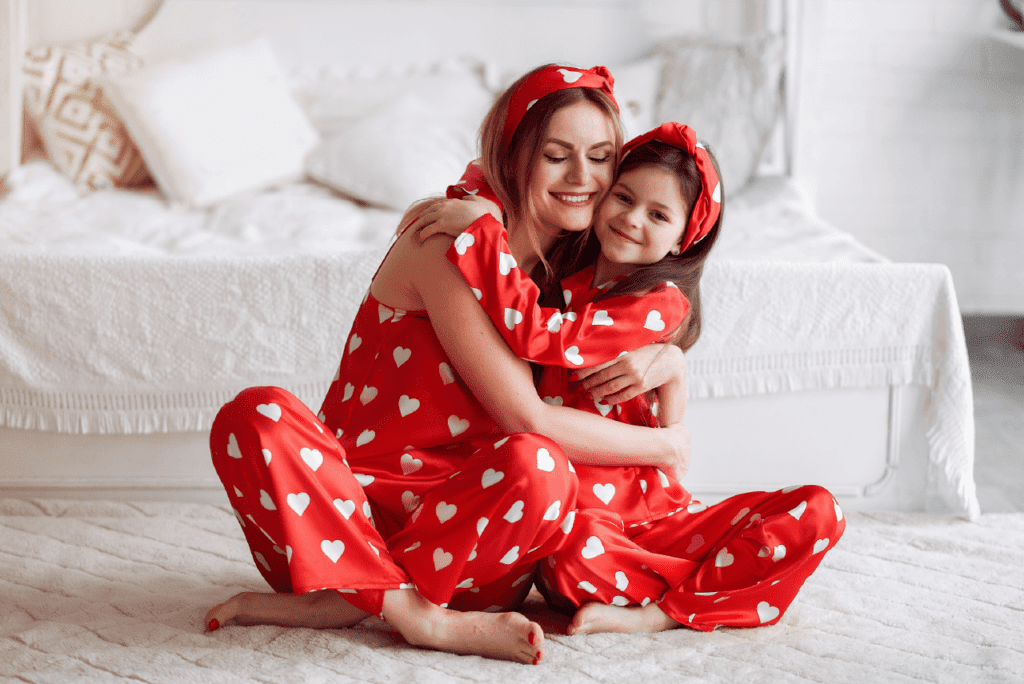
(574, 169)
(642, 218)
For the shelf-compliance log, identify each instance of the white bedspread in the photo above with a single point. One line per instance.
(156, 329)
(98, 591)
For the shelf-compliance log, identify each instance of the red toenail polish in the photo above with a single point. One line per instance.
(534, 661)
(214, 625)
(530, 638)
(538, 655)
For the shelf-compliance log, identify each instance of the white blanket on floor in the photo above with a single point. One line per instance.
(98, 591)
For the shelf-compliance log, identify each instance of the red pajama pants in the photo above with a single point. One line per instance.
(737, 563)
(472, 541)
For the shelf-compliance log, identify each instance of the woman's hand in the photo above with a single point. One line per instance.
(680, 463)
(450, 217)
(634, 373)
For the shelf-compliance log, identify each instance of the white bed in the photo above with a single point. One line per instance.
(129, 319)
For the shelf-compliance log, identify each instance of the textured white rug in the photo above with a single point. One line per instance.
(106, 591)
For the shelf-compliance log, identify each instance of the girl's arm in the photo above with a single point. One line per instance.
(503, 383)
(594, 333)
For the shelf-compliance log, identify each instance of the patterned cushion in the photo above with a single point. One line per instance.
(65, 106)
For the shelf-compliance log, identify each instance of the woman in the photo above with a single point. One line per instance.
(430, 476)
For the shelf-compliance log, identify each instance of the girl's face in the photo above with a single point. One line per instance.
(574, 169)
(642, 218)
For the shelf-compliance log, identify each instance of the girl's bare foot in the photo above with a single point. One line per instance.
(317, 609)
(593, 618)
(506, 636)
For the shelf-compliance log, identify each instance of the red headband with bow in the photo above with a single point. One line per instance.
(546, 81)
(709, 202)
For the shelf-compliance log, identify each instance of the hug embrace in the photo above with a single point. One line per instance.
(509, 410)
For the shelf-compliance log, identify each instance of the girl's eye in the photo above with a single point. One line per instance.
(659, 216)
(623, 197)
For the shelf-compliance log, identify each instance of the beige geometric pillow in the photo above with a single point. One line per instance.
(65, 105)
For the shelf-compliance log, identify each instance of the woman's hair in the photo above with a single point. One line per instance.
(509, 171)
(684, 270)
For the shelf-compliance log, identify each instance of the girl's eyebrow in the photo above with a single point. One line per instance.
(664, 207)
(570, 146)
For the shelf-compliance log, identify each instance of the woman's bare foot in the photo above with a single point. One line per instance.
(505, 636)
(593, 618)
(317, 609)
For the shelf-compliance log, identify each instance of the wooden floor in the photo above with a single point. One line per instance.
(995, 346)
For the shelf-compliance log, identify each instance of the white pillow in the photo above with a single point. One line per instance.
(215, 125)
(636, 91)
(394, 156)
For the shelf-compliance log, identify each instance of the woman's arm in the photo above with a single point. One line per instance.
(503, 383)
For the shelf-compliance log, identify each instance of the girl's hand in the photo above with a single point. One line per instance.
(450, 217)
(634, 373)
(680, 463)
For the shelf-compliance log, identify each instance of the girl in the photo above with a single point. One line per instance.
(430, 478)
(638, 536)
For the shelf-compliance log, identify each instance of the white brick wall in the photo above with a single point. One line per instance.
(913, 138)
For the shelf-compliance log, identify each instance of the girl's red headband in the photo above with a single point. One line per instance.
(709, 202)
(546, 81)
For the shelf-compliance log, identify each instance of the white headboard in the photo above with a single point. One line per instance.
(349, 34)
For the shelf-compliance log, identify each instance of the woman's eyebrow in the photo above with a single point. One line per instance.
(570, 146)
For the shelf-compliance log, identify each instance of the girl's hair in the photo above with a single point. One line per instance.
(684, 270)
(509, 172)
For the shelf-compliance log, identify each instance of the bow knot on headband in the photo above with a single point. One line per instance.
(708, 205)
(546, 81)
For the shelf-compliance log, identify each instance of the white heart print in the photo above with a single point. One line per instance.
(506, 262)
(602, 318)
(593, 549)
(410, 501)
(364, 480)
(233, 450)
(621, 581)
(442, 559)
(555, 322)
(445, 511)
(820, 545)
(766, 612)
(511, 556)
(654, 321)
(513, 318)
(567, 523)
(457, 425)
(799, 510)
(365, 437)
(346, 508)
(572, 354)
(271, 411)
(349, 391)
(739, 516)
(481, 525)
(298, 502)
(383, 313)
(407, 405)
(717, 194)
(724, 559)
(367, 395)
(544, 461)
(515, 512)
(570, 76)
(333, 550)
(263, 561)
(266, 501)
(553, 511)
(695, 543)
(354, 342)
(401, 355)
(410, 464)
(447, 376)
(621, 601)
(604, 492)
(313, 458)
(553, 401)
(238, 492)
(464, 242)
(267, 456)
(604, 408)
(490, 477)
(587, 586)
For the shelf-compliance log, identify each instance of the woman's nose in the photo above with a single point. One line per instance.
(578, 172)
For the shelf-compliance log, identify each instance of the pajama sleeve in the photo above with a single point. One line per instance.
(594, 333)
(473, 183)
